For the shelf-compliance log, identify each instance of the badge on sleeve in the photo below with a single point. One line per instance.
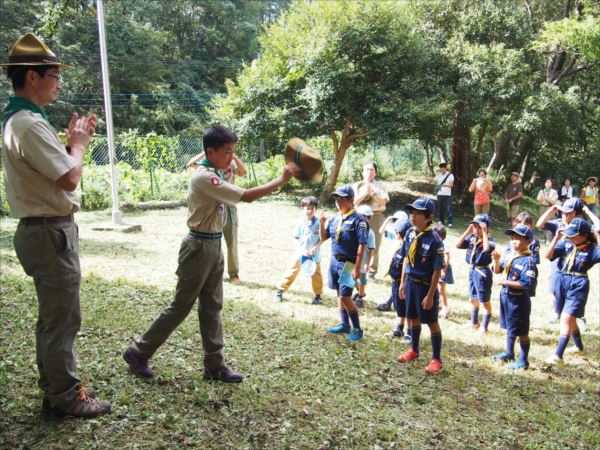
(215, 181)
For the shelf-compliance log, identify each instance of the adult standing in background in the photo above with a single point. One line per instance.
(589, 194)
(547, 198)
(482, 188)
(41, 175)
(512, 195)
(566, 191)
(444, 180)
(373, 194)
(230, 229)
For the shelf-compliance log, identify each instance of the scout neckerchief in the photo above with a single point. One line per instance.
(412, 251)
(345, 217)
(206, 163)
(511, 260)
(16, 104)
(479, 241)
(570, 261)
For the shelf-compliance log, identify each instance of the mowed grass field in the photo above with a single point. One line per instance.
(303, 387)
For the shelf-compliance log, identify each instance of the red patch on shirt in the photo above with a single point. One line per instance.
(215, 181)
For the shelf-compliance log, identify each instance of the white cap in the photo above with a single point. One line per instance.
(400, 215)
(365, 210)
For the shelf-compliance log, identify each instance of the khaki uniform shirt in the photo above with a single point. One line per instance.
(378, 195)
(33, 159)
(208, 197)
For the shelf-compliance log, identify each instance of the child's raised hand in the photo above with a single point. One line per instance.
(496, 255)
(322, 218)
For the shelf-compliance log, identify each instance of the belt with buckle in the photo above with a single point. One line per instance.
(202, 235)
(577, 274)
(342, 258)
(419, 280)
(45, 220)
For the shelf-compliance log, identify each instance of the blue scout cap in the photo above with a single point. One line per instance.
(422, 204)
(572, 204)
(521, 230)
(482, 218)
(344, 190)
(365, 210)
(576, 227)
(402, 226)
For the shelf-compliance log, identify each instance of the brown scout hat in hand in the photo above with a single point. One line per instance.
(309, 160)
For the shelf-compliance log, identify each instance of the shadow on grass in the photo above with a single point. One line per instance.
(303, 387)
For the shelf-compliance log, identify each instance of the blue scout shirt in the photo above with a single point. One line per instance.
(586, 256)
(370, 247)
(476, 255)
(429, 256)
(534, 248)
(347, 233)
(307, 234)
(522, 269)
(396, 265)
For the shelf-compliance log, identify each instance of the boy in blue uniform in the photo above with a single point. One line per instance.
(424, 253)
(308, 242)
(525, 218)
(395, 272)
(580, 254)
(570, 209)
(365, 265)
(515, 304)
(479, 247)
(349, 233)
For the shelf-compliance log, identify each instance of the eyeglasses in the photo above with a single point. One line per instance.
(56, 77)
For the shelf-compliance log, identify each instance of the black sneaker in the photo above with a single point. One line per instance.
(383, 307)
(359, 302)
(316, 300)
(278, 297)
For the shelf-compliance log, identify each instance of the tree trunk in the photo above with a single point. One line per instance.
(340, 147)
(261, 151)
(429, 156)
(523, 149)
(461, 145)
(501, 150)
(442, 151)
(476, 160)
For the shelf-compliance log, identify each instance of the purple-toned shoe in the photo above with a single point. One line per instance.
(224, 374)
(137, 364)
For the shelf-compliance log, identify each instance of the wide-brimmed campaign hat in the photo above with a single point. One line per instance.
(29, 50)
(309, 160)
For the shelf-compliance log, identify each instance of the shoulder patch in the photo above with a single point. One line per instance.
(530, 274)
(215, 181)
(362, 224)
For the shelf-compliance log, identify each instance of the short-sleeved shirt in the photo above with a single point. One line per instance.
(444, 181)
(370, 246)
(208, 197)
(534, 248)
(587, 255)
(396, 265)
(429, 256)
(513, 189)
(377, 201)
(522, 269)
(307, 234)
(475, 253)
(33, 159)
(353, 231)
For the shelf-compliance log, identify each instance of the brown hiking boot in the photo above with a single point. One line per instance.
(86, 406)
(50, 411)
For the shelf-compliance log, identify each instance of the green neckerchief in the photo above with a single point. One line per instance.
(206, 163)
(16, 104)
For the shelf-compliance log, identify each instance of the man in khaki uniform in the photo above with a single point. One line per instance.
(40, 175)
(372, 193)
(200, 270)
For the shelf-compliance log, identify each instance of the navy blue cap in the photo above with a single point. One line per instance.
(345, 190)
(521, 230)
(482, 218)
(402, 226)
(572, 204)
(422, 204)
(576, 227)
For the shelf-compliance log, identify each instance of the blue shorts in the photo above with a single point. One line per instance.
(416, 290)
(515, 309)
(558, 291)
(576, 289)
(334, 268)
(399, 303)
(480, 283)
(362, 280)
(449, 278)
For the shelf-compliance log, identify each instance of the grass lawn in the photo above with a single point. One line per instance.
(304, 388)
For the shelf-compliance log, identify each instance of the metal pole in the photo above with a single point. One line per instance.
(117, 217)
